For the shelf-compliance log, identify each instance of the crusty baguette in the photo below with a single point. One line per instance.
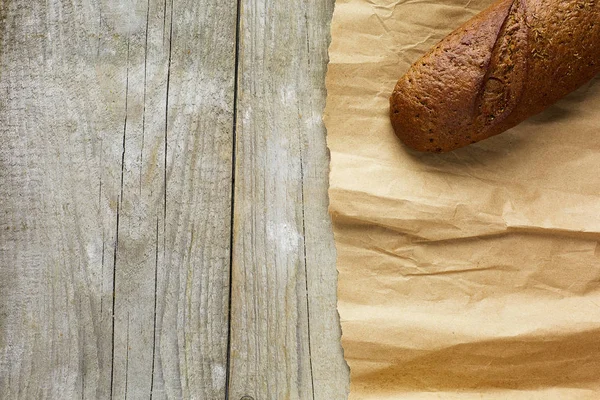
(504, 65)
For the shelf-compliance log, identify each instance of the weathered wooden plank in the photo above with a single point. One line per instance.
(140, 222)
(281, 227)
(194, 302)
(105, 206)
(330, 372)
(60, 162)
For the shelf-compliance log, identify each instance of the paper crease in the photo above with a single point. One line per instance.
(468, 275)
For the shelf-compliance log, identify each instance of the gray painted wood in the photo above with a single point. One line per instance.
(116, 141)
(285, 337)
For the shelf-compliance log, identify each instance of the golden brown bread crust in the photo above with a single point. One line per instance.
(506, 64)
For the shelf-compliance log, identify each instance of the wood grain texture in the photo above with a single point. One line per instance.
(283, 267)
(115, 167)
(330, 372)
(60, 166)
(193, 313)
(116, 150)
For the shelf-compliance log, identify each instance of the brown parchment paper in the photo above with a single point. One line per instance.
(468, 275)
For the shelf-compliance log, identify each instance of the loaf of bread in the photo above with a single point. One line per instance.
(501, 67)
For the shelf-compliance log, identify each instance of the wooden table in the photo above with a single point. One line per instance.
(163, 201)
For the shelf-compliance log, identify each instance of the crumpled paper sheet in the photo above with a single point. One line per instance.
(468, 275)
